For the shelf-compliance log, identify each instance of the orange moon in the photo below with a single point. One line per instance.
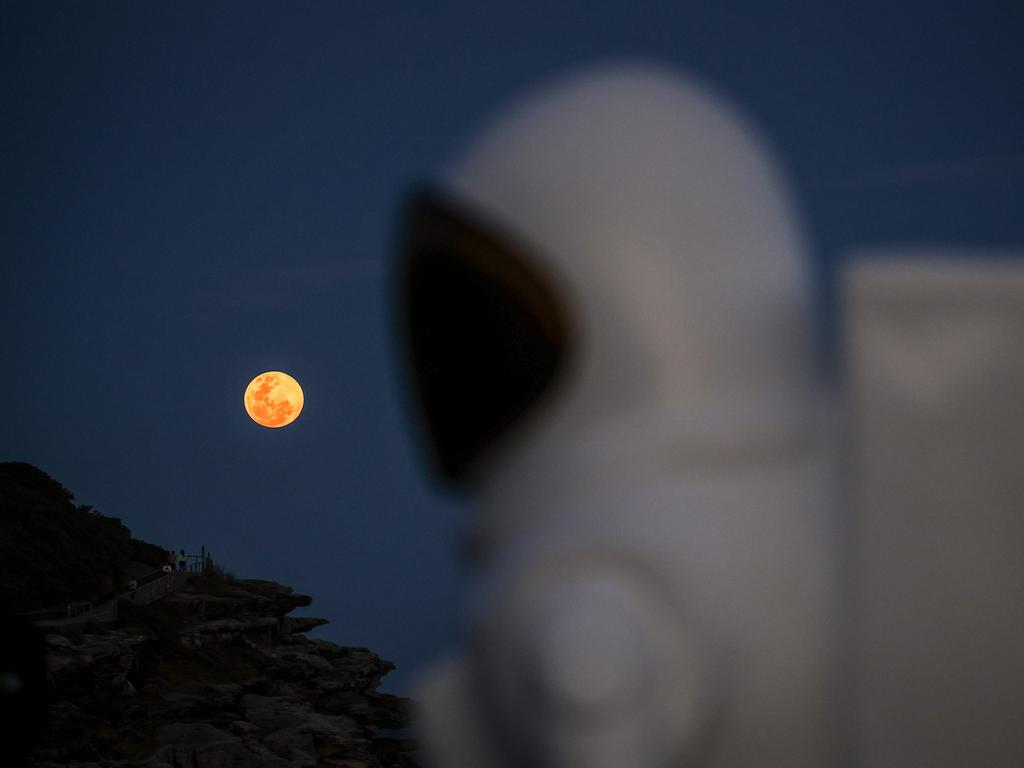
(273, 399)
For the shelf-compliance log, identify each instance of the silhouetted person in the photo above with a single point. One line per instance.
(182, 560)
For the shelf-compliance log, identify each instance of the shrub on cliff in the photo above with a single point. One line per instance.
(54, 551)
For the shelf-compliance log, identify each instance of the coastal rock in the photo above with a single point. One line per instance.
(218, 676)
(224, 753)
(273, 712)
(224, 631)
(243, 728)
(294, 625)
(196, 734)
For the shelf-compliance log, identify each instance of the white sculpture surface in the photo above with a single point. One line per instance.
(677, 566)
(656, 575)
(935, 369)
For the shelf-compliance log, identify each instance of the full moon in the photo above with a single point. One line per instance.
(273, 399)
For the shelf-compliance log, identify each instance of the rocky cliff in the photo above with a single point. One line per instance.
(213, 674)
(217, 674)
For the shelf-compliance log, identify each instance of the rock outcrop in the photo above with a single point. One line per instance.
(218, 675)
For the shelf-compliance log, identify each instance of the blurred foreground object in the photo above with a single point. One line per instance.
(606, 315)
(935, 364)
(605, 311)
(23, 689)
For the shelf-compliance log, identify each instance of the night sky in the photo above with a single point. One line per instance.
(196, 192)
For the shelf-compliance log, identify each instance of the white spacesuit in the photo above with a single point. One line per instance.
(606, 314)
(607, 317)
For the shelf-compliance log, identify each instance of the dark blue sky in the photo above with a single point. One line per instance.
(194, 193)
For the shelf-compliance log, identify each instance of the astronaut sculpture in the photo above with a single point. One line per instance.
(607, 319)
(605, 307)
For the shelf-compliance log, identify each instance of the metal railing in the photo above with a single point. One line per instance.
(149, 588)
(78, 609)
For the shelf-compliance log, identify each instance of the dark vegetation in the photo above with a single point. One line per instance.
(54, 551)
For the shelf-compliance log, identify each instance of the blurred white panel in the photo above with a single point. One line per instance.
(936, 373)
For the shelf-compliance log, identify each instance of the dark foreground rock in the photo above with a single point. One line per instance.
(217, 675)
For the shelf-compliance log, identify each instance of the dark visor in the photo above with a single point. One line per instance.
(485, 331)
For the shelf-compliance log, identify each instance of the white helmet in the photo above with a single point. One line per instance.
(607, 315)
